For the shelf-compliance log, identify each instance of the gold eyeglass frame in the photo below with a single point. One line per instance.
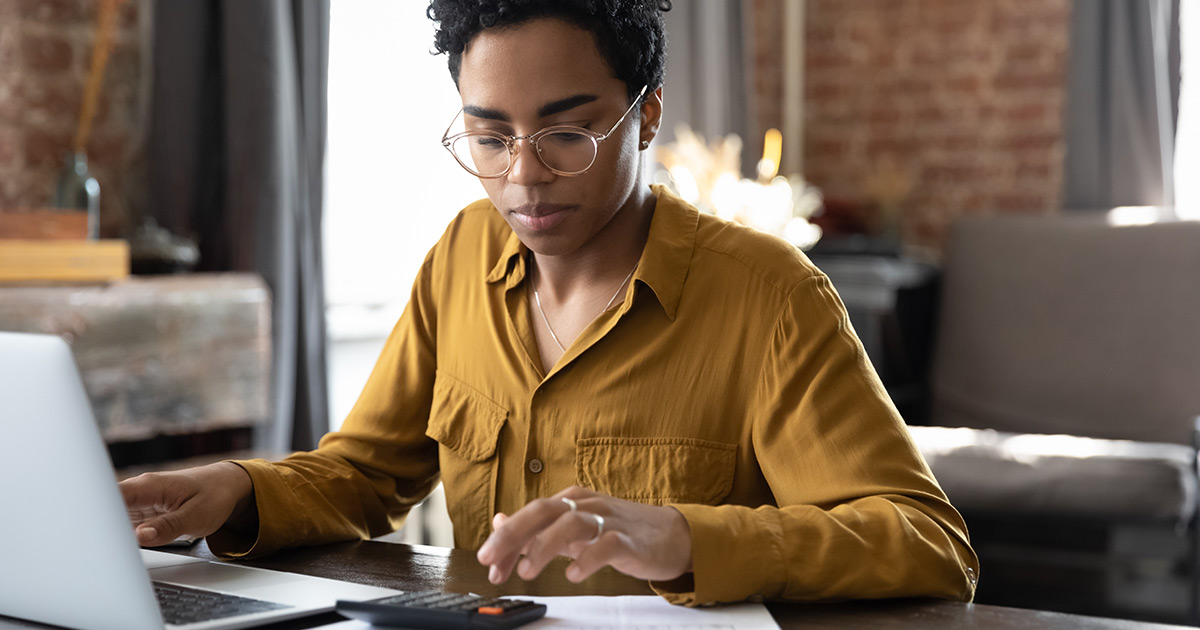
(513, 149)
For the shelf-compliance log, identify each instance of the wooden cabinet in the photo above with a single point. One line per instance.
(160, 356)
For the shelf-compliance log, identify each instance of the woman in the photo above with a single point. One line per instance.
(594, 369)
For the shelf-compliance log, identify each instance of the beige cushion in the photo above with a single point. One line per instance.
(990, 472)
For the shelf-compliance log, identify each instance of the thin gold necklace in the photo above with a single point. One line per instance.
(538, 299)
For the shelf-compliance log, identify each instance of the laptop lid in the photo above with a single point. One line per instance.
(57, 482)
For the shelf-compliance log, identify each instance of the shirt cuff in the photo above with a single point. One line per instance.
(736, 556)
(232, 542)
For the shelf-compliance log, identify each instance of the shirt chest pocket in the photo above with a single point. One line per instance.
(466, 425)
(656, 470)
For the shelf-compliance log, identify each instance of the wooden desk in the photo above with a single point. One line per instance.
(409, 567)
(415, 567)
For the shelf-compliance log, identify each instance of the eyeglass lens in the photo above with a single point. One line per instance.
(560, 150)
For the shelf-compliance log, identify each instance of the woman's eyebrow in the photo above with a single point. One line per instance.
(549, 109)
(485, 112)
(564, 104)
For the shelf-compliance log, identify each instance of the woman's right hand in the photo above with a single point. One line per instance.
(195, 502)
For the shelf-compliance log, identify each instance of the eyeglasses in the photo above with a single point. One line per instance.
(564, 149)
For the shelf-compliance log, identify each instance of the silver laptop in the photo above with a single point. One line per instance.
(68, 555)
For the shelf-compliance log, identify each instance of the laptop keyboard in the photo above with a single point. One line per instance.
(182, 605)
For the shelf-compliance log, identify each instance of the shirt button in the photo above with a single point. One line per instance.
(535, 466)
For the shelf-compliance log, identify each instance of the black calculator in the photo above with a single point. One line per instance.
(437, 610)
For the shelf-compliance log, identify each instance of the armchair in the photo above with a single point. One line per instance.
(1066, 389)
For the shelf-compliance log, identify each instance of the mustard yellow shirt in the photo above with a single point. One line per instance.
(729, 384)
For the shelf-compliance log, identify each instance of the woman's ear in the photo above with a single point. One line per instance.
(652, 109)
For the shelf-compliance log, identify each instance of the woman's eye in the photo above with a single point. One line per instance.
(564, 138)
(488, 142)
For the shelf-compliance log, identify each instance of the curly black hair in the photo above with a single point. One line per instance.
(629, 33)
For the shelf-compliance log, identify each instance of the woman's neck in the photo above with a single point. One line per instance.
(602, 261)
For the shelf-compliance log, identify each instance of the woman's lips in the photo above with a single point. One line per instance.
(540, 217)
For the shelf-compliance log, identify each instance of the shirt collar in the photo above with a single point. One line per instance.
(665, 260)
(510, 264)
(668, 255)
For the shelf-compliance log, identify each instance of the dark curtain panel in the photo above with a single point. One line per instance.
(708, 85)
(1122, 103)
(236, 147)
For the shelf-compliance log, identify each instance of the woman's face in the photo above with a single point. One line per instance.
(520, 79)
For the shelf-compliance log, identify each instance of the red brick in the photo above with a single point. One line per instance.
(1021, 202)
(957, 172)
(1026, 112)
(824, 90)
(107, 149)
(1036, 81)
(128, 16)
(1034, 141)
(931, 114)
(1035, 171)
(46, 53)
(906, 87)
(42, 103)
(46, 150)
(827, 59)
(1025, 54)
(963, 73)
(928, 55)
(816, 38)
(10, 146)
(24, 189)
(963, 86)
(828, 149)
(884, 115)
(57, 11)
(902, 146)
(8, 45)
(882, 58)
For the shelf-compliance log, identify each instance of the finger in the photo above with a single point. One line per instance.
(505, 543)
(607, 550)
(559, 539)
(164, 528)
(495, 576)
(141, 492)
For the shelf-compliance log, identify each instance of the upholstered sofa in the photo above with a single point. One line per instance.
(1066, 374)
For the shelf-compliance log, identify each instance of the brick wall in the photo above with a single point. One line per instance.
(45, 54)
(959, 102)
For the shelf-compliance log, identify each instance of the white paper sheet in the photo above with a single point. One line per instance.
(643, 612)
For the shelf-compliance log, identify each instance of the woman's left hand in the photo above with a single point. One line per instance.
(645, 541)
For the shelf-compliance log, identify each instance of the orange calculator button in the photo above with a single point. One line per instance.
(490, 610)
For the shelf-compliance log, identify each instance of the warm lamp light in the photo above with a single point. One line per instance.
(768, 166)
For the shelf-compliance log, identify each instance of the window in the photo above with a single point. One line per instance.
(1187, 135)
(391, 188)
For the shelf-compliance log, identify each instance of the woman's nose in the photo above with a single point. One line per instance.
(527, 168)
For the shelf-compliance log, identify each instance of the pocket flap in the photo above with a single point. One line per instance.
(464, 420)
(657, 470)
